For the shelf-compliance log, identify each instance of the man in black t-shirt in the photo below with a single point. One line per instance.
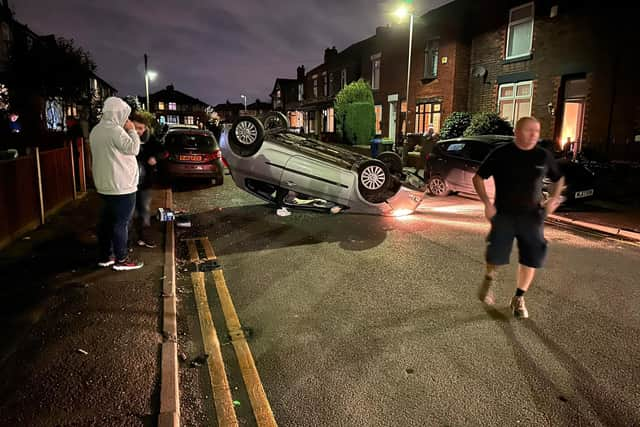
(519, 211)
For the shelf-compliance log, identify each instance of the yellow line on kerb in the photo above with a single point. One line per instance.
(225, 411)
(259, 402)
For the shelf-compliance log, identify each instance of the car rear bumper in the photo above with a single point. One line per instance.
(186, 170)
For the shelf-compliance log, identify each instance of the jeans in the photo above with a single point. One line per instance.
(113, 228)
(143, 212)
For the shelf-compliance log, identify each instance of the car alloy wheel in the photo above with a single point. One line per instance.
(373, 178)
(246, 132)
(437, 186)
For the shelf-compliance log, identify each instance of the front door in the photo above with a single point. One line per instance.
(575, 94)
(392, 120)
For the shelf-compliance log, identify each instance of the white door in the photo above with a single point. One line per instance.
(392, 121)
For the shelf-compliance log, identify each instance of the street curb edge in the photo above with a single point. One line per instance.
(612, 231)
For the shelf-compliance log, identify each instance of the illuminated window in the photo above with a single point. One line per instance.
(160, 105)
(375, 71)
(520, 34)
(428, 116)
(329, 120)
(172, 120)
(514, 100)
(173, 106)
(188, 120)
(378, 109)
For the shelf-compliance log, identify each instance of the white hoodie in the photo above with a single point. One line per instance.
(114, 151)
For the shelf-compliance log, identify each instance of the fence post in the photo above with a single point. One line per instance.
(73, 170)
(40, 192)
(82, 169)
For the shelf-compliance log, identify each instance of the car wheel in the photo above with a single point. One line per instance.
(246, 136)
(373, 180)
(438, 186)
(275, 121)
(392, 160)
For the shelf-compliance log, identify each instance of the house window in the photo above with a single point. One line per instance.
(375, 71)
(326, 84)
(300, 91)
(428, 115)
(172, 120)
(575, 95)
(296, 119)
(431, 56)
(188, 120)
(343, 78)
(329, 120)
(520, 33)
(160, 106)
(332, 87)
(315, 86)
(378, 109)
(173, 106)
(514, 100)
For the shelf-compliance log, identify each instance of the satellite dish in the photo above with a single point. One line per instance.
(479, 71)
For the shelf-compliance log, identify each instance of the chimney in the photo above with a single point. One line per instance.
(170, 88)
(330, 53)
(381, 31)
(301, 73)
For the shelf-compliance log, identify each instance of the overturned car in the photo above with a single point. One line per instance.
(268, 161)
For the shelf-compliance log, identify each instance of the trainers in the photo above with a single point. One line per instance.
(127, 265)
(518, 307)
(107, 263)
(485, 294)
(146, 244)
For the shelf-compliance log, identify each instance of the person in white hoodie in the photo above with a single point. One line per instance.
(114, 146)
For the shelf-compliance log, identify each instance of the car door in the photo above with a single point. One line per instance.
(316, 178)
(475, 153)
(453, 172)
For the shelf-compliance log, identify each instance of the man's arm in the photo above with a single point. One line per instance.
(555, 199)
(128, 142)
(481, 189)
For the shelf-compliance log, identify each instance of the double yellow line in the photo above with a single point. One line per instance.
(221, 392)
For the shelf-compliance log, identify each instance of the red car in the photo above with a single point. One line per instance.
(193, 153)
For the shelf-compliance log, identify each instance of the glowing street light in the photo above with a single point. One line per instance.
(149, 75)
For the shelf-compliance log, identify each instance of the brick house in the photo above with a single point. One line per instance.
(571, 64)
(174, 107)
(287, 96)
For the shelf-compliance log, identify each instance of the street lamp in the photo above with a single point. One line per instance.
(401, 13)
(245, 102)
(148, 76)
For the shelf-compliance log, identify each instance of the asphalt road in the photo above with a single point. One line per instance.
(371, 321)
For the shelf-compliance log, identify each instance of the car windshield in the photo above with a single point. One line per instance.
(199, 142)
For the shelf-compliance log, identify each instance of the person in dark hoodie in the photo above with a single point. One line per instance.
(147, 163)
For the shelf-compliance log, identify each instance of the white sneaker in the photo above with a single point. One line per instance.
(336, 210)
(283, 212)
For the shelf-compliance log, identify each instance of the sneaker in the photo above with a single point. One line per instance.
(107, 263)
(485, 294)
(127, 265)
(518, 307)
(336, 210)
(146, 244)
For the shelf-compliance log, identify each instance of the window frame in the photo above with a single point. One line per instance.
(421, 114)
(521, 21)
(343, 78)
(515, 98)
(175, 106)
(376, 59)
(428, 56)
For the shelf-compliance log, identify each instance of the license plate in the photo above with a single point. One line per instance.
(583, 194)
(191, 158)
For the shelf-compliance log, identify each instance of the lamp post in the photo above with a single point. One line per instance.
(148, 76)
(244, 97)
(402, 12)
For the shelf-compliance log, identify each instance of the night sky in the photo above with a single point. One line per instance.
(211, 49)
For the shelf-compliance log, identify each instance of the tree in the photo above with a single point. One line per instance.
(359, 91)
(455, 125)
(488, 124)
(134, 102)
(360, 122)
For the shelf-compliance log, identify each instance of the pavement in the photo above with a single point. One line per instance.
(371, 321)
(81, 345)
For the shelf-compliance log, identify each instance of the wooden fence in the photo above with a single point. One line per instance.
(34, 186)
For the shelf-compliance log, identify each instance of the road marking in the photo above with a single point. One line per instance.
(223, 401)
(193, 251)
(208, 249)
(259, 402)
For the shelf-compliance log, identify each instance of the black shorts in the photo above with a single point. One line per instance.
(527, 229)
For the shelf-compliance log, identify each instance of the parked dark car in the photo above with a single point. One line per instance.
(193, 153)
(451, 165)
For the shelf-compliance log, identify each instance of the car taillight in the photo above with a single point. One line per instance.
(216, 155)
(164, 155)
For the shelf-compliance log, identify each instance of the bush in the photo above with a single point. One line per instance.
(488, 124)
(360, 123)
(455, 125)
(359, 91)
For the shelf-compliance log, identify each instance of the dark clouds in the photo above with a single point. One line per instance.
(214, 50)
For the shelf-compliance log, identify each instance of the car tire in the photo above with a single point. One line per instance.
(374, 179)
(438, 186)
(392, 160)
(246, 136)
(275, 121)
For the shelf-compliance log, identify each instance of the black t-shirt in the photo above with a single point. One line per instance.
(518, 176)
